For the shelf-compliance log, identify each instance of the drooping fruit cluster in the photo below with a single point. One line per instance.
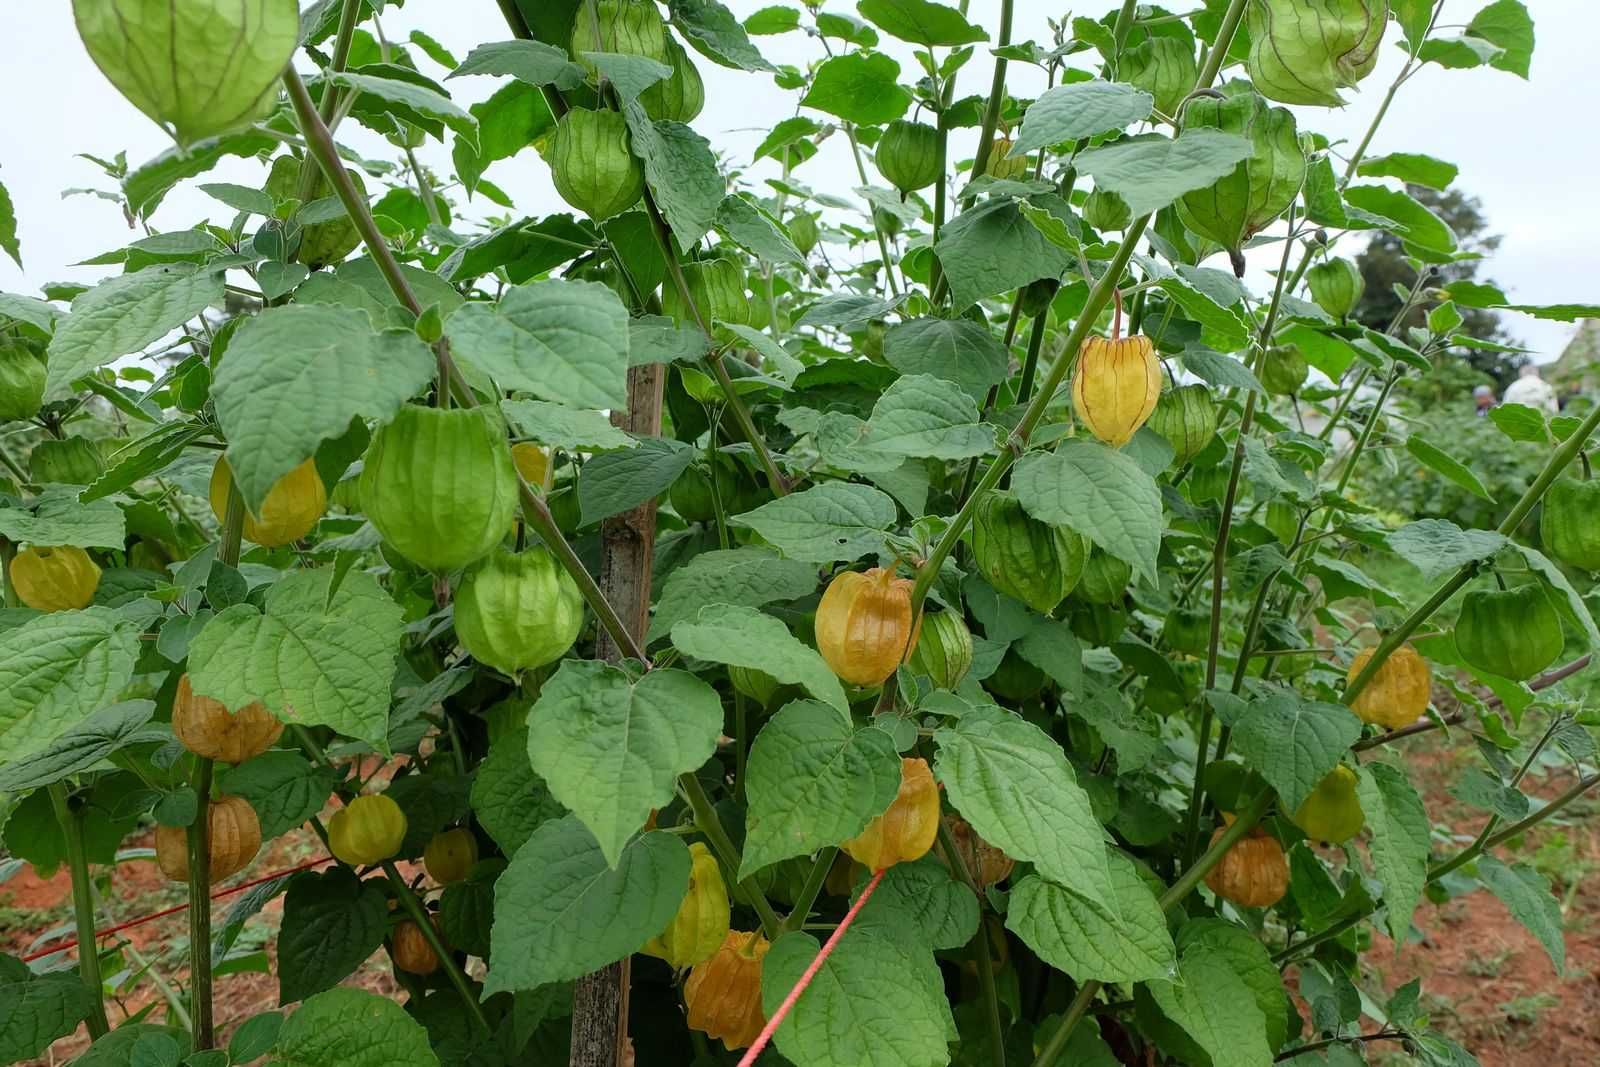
(234, 838)
(54, 578)
(1253, 873)
(367, 830)
(1398, 693)
(700, 927)
(864, 625)
(1515, 633)
(291, 508)
(1032, 561)
(723, 993)
(197, 67)
(207, 728)
(905, 831)
(440, 485)
(518, 610)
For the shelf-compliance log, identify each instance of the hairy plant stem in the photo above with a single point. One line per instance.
(1318, 1046)
(70, 816)
(534, 509)
(1246, 821)
(1558, 462)
(419, 915)
(349, 15)
(705, 818)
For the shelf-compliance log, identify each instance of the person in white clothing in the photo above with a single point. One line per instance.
(1532, 390)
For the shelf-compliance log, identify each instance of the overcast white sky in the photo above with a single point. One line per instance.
(1526, 148)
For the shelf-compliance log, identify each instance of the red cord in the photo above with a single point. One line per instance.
(141, 920)
(810, 973)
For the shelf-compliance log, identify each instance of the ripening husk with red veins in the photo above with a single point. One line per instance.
(864, 625)
(723, 994)
(1115, 387)
(233, 839)
(1254, 873)
(904, 832)
(207, 728)
(1398, 693)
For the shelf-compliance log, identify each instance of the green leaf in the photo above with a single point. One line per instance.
(992, 248)
(613, 482)
(744, 223)
(1099, 492)
(1078, 939)
(1294, 743)
(921, 22)
(1566, 598)
(1520, 422)
(57, 518)
(1225, 326)
(415, 104)
(1507, 25)
(510, 120)
(610, 747)
(117, 1048)
(921, 416)
(1438, 460)
(80, 748)
(742, 636)
(682, 173)
(1434, 546)
(859, 87)
(332, 921)
(123, 314)
(147, 185)
(771, 20)
(1557, 312)
(813, 780)
(824, 524)
(30, 309)
(716, 34)
(629, 75)
(509, 800)
(557, 426)
(1051, 646)
(1081, 109)
(924, 900)
(310, 658)
(295, 376)
(844, 1017)
(1483, 790)
(534, 62)
(1413, 168)
(1150, 172)
(745, 576)
(348, 1027)
(57, 669)
(954, 350)
(35, 1010)
(560, 911)
(1415, 224)
(284, 788)
(8, 229)
(1249, 960)
(1216, 1008)
(1400, 840)
(1527, 896)
(561, 340)
(847, 311)
(360, 283)
(1013, 784)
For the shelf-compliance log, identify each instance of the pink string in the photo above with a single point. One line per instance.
(810, 973)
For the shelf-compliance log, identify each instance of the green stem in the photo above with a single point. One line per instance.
(1235, 832)
(1317, 1046)
(8, 552)
(69, 815)
(1558, 462)
(419, 915)
(997, 95)
(883, 242)
(705, 817)
(199, 841)
(349, 15)
(978, 948)
(534, 509)
(424, 188)
(811, 889)
(1366, 431)
(1030, 363)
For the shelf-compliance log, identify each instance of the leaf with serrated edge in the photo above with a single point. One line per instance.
(1099, 492)
(1294, 743)
(814, 780)
(347, 1027)
(1014, 785)
(560, 911)
(1401, 837)
(57, 669)
(308, 661)
(826, 523)
(295, 376)
(1078, 939)
(610, 747)
(742, 636)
